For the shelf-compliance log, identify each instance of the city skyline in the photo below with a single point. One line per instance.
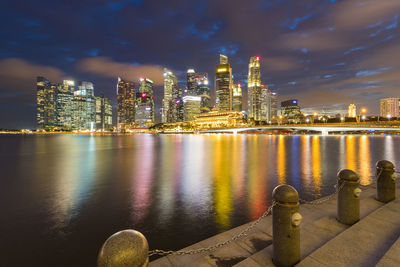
(326, 54)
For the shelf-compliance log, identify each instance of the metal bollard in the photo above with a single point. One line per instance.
(286, 226)
(125, 248)
(386, 181)
(348, 197)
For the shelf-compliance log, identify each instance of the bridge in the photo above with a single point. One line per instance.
(323, 129)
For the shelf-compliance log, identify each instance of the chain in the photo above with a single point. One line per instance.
(324, 199)
(218, 245)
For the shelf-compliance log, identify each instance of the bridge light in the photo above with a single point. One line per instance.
(307, 120)
(315, 114)
(364, 110)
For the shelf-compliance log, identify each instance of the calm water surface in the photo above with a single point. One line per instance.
(61, 196)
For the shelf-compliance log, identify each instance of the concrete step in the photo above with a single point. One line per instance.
(362, 244)
(392, 256)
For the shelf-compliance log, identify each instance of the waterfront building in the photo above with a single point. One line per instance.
(171, 93)
(46, 114)
(218, 119)
(191, 106)
(84, 107)
(390, 107)
(103, 113)
(274, 107)
(290, 110)
(65, 105)
(254, 89)
(190, 82)
(144, 105)
(203, 90)
(125, 104)
(223, 85)
(352, 111)
(237, 97)
(176, 109)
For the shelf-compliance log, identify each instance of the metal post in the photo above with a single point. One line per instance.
(286, 226)
(125, 248)
(386, 181)
(348, 197)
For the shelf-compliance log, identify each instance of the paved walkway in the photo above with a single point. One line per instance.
(324, 241)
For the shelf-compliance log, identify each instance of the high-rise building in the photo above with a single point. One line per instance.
(103, 113)
(144, 106)
(125, 104)
(223, 84)
(390, 107)
(237, 97)
(46, 116)
(203, 90)
(254, 89)
(352, 111)
(65, 105)
(84, 107)
(191, 106)
(274, 107)
(290, 110)
(190, 82)
(171, 93)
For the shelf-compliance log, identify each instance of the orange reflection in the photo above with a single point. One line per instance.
(222, 188)
(305, 158)
(316, 164)
(238, 150)
(350, 153)
(281, 164)
(365, 161)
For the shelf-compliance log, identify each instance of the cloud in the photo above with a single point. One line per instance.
(280, 63)
(19, 74)
(354, 14)
(313, 40)
(105, 66)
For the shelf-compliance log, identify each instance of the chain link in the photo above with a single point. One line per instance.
(324, 199)
(218, 245)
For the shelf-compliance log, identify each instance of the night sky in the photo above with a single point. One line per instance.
(325, 53)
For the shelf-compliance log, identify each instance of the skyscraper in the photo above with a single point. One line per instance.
(223, 84)
(46, 116)
(202, 89)
(171, 92)
(125, 104)
(84, 107)
(274, 107)
(103, 113)
(237, 97)
(190, 82)
(390, 107)
(65, 105)
(352, 111)
(290, 110)
(144, 106)
(254, 89)
(191, 106)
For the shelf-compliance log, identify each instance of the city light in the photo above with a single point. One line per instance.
(221, 70)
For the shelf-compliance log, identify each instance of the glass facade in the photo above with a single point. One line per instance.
(254, 89)
(144, 105)
(46, 113)
(237, 97)
(125, 104)
(223, 85)
(103, 113)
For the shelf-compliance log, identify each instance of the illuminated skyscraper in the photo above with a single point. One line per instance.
(125, 104)
(237, 97)
(223, 85)
(171, 92)
(202, 89)
(274, 107)
(390, 107)
(254, 89)
(46, 115)
(65, 105)
(144, 106)
(352, 111)
(190, 83)
(290, 110)
(103, 113)
(191, 105)
(84, 107)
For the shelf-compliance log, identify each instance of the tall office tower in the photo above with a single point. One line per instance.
(254, 89)
(266, 97)
(352, 111)
(84, 107)
(46, 116)
(274, 107)
(202, 89)
(176, 110)
(125, 104)
(237, 97)
(103, 113)
(223, 84)
(191, 105)
(144, 106)
(190, 82)
(171, 92)
(390, 107)
(290, 110)
(65, 105)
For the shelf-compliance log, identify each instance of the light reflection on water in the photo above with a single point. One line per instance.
(72, 192)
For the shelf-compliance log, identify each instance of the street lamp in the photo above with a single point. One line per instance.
(314, 116)
(342, 119)
(363, 111)
(388, 116)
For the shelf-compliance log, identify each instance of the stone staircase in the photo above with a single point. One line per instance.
(374, 240)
